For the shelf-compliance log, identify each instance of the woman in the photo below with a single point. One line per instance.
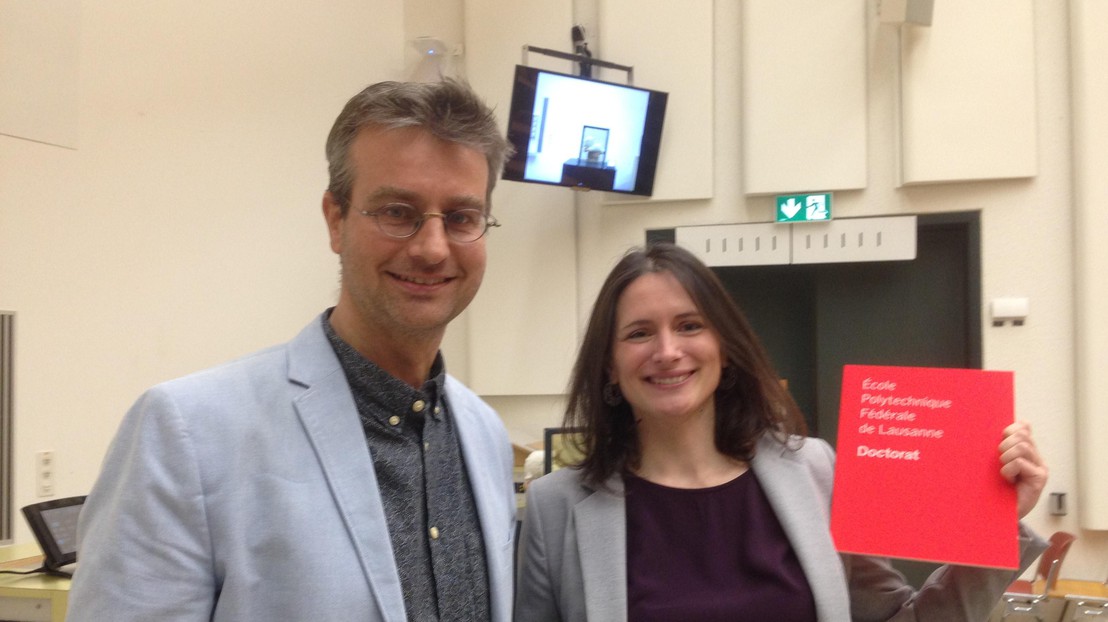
(698, 497)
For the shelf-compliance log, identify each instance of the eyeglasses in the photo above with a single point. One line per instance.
(400, 220)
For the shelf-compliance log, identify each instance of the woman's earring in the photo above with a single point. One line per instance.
(612, 395)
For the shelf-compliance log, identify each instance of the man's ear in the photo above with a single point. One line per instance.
(332, 214)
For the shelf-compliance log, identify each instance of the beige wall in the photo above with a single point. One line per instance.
(185, 228)
(1090, 132)
(1027, 225)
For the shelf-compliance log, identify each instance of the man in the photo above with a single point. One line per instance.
(343, 475)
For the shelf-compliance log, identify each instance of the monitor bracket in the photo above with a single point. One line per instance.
(580, 58)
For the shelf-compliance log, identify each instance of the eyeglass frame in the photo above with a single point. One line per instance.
(490, 221)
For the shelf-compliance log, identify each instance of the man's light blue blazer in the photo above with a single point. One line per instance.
(247, 493)
(573, 553)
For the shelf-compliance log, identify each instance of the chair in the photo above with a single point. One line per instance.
(1085, 608)
(1060, 542)
(1026, 603)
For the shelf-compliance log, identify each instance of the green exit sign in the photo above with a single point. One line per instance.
(804, 207)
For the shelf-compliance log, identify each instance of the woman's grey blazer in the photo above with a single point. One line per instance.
(247, 492)
(572, 558)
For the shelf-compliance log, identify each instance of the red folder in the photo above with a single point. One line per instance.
(917, 474)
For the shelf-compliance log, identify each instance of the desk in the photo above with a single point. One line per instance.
(1074, 587)
(585, 174)
(33, 597)
(1083, 609)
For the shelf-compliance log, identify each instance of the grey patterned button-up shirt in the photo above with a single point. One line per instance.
(429, 506)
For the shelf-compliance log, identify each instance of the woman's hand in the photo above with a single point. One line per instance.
(1021, 464)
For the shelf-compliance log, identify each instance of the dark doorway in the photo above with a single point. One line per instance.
(816, 318)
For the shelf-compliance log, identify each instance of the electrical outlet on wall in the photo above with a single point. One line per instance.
(44, 468)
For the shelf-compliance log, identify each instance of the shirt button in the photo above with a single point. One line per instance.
(434, 531)
(426, 445)
(418, 406)
(394, 420)
(438, 410)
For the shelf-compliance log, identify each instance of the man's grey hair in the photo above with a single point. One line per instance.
(449, 110)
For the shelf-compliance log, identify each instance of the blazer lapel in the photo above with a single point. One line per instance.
(486, 472)
(488, 477)
(327, 411)
(801, 510)
(601, 529)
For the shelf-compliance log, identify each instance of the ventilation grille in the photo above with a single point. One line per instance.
(737, 245)
(891, 238)
(855, 239)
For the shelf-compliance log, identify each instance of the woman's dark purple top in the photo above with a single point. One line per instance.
(710, 554)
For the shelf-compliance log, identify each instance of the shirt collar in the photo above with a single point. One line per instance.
(367, 379)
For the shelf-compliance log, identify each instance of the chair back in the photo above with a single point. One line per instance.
(1051, 578)
(1060, 542)
(1026, 603)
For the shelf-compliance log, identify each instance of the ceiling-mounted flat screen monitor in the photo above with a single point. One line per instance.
(583, 133)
